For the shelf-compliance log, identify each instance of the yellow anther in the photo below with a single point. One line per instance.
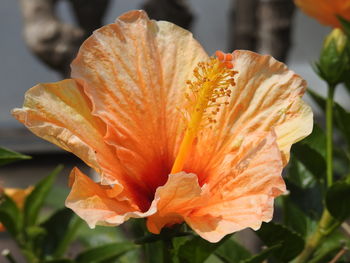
(213, 80)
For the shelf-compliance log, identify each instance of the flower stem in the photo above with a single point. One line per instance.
(327, 223)
(323, 230)
(329, 133)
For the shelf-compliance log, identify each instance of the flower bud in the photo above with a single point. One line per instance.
(339, 39)
(334, 58)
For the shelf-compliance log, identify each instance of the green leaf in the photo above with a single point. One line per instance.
(56, 227)
(69, 236)
(299, 175)
(36, 198)
(304, 191)
(33, 239)
(8, 156)
(131, 256)
(342, 119)
(101, 235)
(197, 250)
(312, 160)
(154, 251)
(177, 243)
(10, 215)
(316, 140)
(295, 219)
(275, 234)
(338, 200)
(312, 154)
(258, 258)
(35, 232)
(105, 252)
(309, 200)
(231, 252)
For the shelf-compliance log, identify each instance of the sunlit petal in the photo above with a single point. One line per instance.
(242, 190)
(177, 198)
(134, 71)
(96, 203)
(240, 196)
(61, 113)
(267, 96)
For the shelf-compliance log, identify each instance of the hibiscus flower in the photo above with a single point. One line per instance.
(326, 11)
(176, 136)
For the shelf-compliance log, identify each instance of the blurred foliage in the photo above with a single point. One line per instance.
(8, 156)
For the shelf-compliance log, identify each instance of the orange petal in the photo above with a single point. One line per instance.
(239, 195)
(325, 11)
(177, 198)
(242, 189)
(95, 203)
(18, 195)
(267, 96)
(61, 113)
(134, 72)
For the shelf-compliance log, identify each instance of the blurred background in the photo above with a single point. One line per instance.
(29, 57)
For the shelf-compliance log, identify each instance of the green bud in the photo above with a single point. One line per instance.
(334, 58)
(339, 39)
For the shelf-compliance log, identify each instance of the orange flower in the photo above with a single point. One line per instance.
(326, 11)
(18, 195)
(175, 135)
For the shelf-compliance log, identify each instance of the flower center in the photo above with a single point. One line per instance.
(208, 92)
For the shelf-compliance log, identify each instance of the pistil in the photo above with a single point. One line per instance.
(213, 80)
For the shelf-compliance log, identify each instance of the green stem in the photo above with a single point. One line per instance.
(327, 223)
(329, 133)
(68, 237)
(317, 237)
